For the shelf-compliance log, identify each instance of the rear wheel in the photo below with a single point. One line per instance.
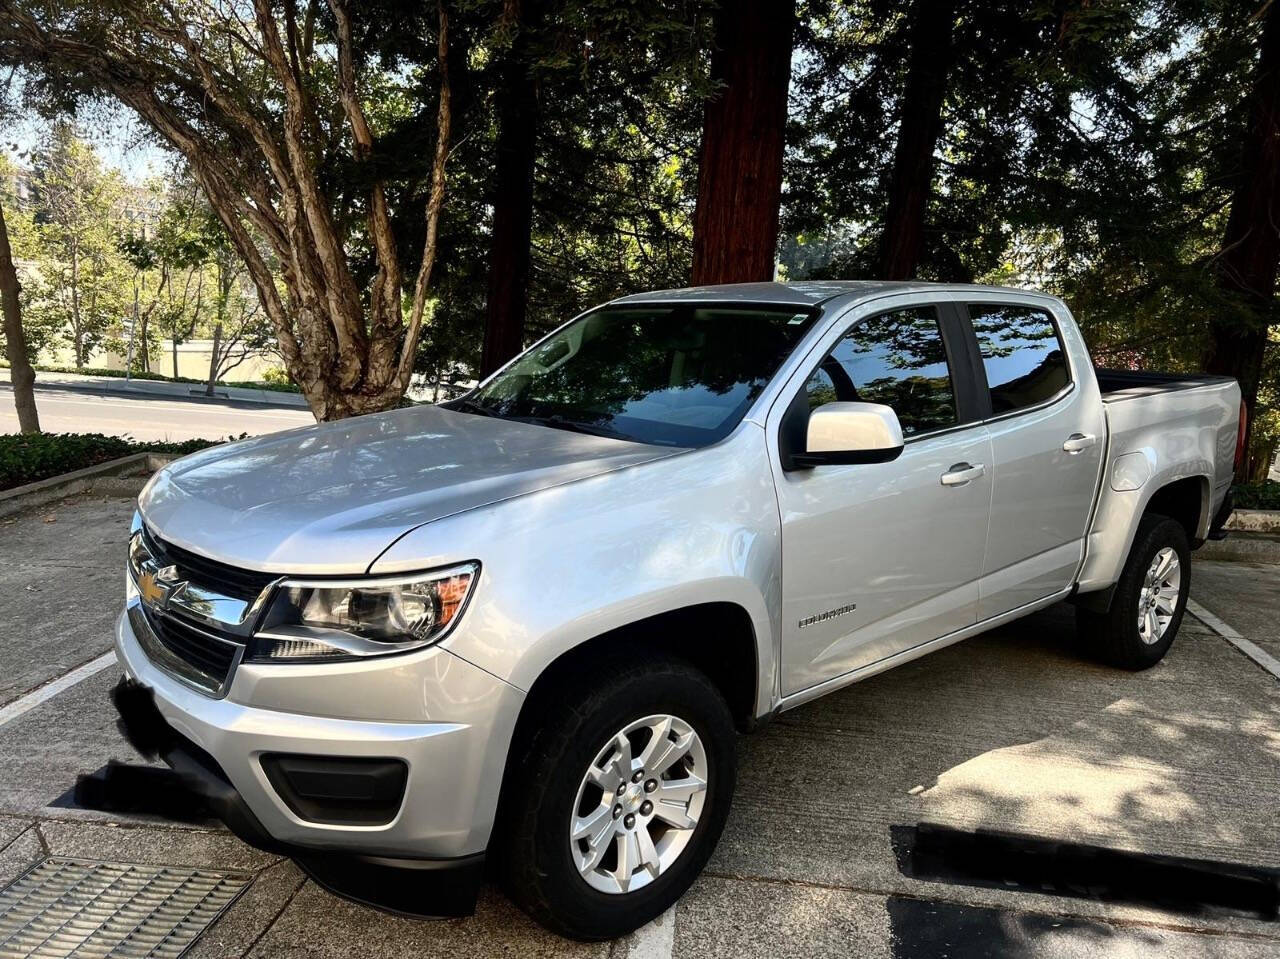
(1149, 600)
(620, 799)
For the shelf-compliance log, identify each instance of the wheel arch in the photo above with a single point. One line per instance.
(1187, 500)
(731, 660)
(731, 663)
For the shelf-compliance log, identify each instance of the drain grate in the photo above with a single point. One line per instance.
(69, 907)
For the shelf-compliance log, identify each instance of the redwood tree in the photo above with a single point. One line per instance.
(275, 127)
(735, 225)
(517, 108)
(920, 125)
(1250, 255)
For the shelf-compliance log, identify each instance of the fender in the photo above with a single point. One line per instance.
(562, 566)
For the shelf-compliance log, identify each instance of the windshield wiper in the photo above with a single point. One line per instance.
(471, 406)
(560, 423)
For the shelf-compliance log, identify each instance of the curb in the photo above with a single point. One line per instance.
(119, 476)
(1255, 520)
(1242, 547)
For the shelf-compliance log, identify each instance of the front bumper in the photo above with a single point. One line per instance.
(449, 722)
(425, 888)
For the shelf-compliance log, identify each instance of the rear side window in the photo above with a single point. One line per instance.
(1021, 353)
(897, 359)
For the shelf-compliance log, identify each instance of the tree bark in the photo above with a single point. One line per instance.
(735, 223)
(1250, 256)
(931, 29)
(77, 331)
(21, 375)
(214, 359)
(509, 255)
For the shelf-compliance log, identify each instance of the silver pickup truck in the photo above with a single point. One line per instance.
(527, 624)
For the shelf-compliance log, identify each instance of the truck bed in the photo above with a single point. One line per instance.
(1119, 385)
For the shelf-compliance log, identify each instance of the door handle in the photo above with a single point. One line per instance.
(1077, 442)
(962, 473)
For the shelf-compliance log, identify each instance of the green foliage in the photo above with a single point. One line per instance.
(1264, 495)
(82, 274)
(27, 458)
(276, 376)
(1087, 148)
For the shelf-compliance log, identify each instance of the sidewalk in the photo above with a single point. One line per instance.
(183, 391)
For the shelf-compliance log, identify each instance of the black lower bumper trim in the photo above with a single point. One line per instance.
(421, 888)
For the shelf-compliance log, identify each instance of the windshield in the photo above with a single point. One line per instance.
(681, 375)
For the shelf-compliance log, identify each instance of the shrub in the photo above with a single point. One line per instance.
(1264, 495)
(28, 457)
(276, 376)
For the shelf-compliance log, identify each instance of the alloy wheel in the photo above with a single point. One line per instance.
(1158, 599)
(638, 804)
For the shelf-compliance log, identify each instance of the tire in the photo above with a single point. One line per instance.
(1120, 636)
(577, 732)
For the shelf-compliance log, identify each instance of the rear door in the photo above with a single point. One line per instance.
(878, 558)
(1048, 433)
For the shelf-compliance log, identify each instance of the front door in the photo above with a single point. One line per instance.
(878, 558)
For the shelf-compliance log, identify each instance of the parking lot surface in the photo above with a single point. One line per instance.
(1012, 731)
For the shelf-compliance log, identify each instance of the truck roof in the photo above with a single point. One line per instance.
(806, 292)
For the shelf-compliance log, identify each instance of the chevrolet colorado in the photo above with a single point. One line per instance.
(526, 624)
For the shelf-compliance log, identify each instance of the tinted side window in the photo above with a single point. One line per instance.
(897, 359)
(1021, 353)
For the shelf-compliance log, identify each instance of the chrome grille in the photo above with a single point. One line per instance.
(207, 652)
(243, 584)
(201, 658)
(194, 615)
(69, 907)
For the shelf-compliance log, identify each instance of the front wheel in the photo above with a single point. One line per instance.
(1149, 600)
(620, 800)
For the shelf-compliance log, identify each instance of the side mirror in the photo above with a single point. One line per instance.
(843, 433)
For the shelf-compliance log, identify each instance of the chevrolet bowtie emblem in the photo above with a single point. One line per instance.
(152, 593)
(155, 586)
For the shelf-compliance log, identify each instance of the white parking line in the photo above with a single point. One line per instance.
(1250, 649)
(653, 940)
(24, 704)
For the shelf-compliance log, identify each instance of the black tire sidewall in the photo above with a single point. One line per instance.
(1154, 534)
(572, 906)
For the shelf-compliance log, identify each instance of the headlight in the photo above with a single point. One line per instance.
(318, 619)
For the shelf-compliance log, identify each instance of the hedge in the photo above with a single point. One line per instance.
(1264, 495)
(28, 457)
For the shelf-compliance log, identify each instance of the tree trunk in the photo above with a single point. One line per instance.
(77, 331)
(932, 25)
(1251, 245)
(21, 375)
(213, 359)
(517, 146)
(735, 223)
(140, 323)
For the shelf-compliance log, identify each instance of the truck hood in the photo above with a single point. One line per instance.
(330, 498)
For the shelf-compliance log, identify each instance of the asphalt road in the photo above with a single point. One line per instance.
(147, 418)
(1014, 731)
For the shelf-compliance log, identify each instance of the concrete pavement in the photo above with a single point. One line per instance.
(1012, 731)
